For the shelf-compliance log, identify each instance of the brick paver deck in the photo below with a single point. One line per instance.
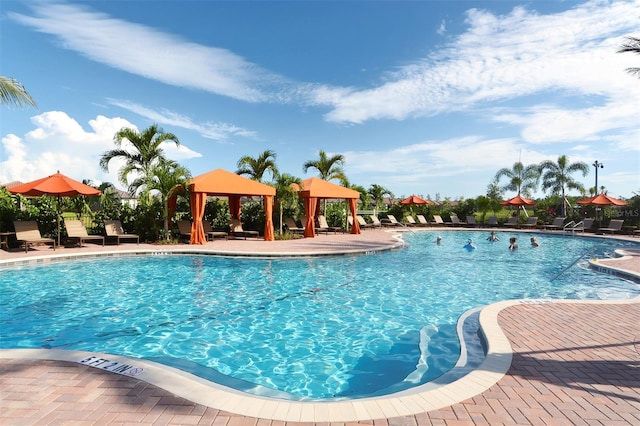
(573, 363)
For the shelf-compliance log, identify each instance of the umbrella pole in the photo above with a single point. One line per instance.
(58, 216)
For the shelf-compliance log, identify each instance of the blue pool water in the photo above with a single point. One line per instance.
(301, 328)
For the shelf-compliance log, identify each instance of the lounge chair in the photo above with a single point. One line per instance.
(28, 234)
(292, 226)
(76, 231)
(363, 223)
(113, 228)
(323, 226)
(411, 221)
(422, 220)
(512, 222)
(493, 221)
(615, 225)
(437, 219)
(558, 223)
(184, 230)
(211, 234)
(471, 221)
(455, 220)
(532, 222)
(236, 230)
(583, 225)
(375, 221)
(393, 221)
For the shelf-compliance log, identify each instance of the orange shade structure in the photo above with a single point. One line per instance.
(220, 182)
(56, 184)
(314, 189)
(414, 199)
(603, 200)
(518, 201)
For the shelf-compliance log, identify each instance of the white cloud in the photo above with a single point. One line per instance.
(58, 142)
(209, 130)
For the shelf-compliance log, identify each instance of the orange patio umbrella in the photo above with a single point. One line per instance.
(56, 184)
(518, 201)
(414, 199)
(603, 200)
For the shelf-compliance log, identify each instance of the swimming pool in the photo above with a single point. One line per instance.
(312, 328)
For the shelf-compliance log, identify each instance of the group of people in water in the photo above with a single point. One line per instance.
(513, 242)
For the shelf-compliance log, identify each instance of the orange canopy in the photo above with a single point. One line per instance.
(56, 184)
(414, 199)
(518, 201)
(223, 183)
(313, 189)
(603, 200)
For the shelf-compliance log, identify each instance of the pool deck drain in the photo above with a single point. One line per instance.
(569, 362)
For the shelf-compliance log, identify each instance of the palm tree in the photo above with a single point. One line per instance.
(632, 45)
(328, 167)
(556, 176)
(521, 179)
(377, 193)
(13, 93)
(167, 178)
(257, 167)
(285, 193)
(146, 153)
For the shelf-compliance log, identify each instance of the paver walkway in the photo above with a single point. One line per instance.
(573, 363)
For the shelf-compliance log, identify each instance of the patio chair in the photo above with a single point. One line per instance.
(437, 219)
(615, 225)
(28, 234)
(558, 223)
(493, 221)
(422, 220)
(393, 221)
(532, 222)
(512, 222)
(583, 225)
(76, 231)
(455, 220)
(375, 221)
(113, 228)
(323, 226)
(363, 223)
(184, 230)
(411, 221)
(292, 226)
(471, 221)
(211, 234)
(236, 230)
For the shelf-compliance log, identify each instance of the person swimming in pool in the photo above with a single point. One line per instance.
(513, 245)
(493, 237)
(534, 242)
(469, 246)
(438, 240)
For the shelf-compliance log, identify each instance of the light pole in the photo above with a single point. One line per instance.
(597, 165)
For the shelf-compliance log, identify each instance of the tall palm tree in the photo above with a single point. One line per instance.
(328, 167)
(13, 93)
(255, 168)
(556, 177)
(632, 45)
(377, 193)
(521, 179)
(145, 154)
(285, 193)
(167, 178)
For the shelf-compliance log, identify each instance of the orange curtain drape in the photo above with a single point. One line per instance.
(172, 203)
(234, 206)
(198, 201)
(309, 210)
(268, 224)
(355, 229)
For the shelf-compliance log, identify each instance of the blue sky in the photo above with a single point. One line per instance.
(422, 97)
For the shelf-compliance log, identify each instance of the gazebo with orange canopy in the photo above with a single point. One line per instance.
(519, 201)
(313, 190)
(220, 182)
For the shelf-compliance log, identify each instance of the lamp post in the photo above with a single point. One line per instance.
(597, 165)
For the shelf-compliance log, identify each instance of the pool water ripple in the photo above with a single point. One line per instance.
(310, 328)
